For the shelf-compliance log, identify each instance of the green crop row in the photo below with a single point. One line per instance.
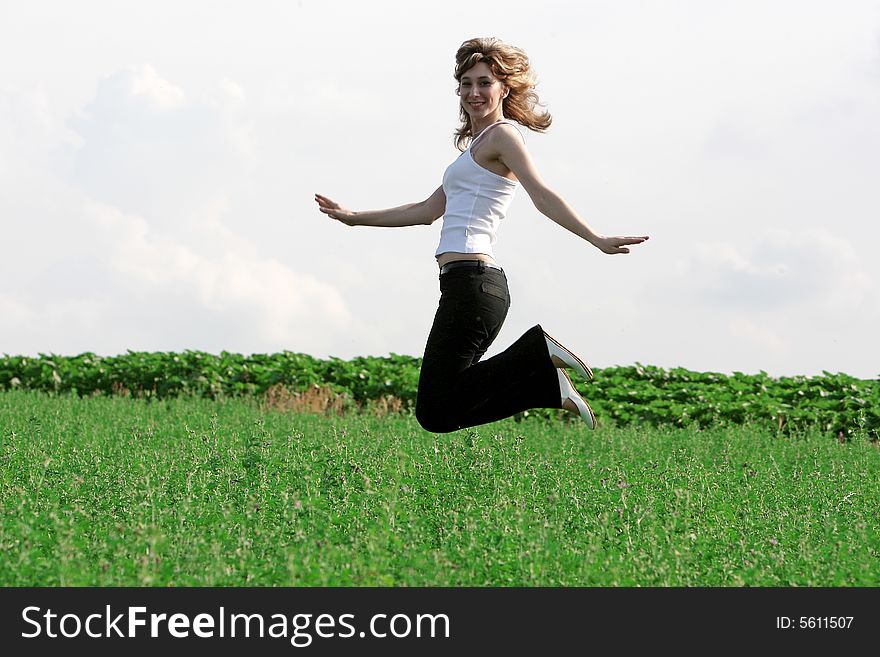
(167, 374)
(639, 394)
(838, 403)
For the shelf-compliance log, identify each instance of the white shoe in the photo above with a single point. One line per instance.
(567, 356)
(567, 391)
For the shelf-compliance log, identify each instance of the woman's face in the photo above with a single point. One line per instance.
(481, 92)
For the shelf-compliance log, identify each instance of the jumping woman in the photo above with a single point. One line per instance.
(456, 389)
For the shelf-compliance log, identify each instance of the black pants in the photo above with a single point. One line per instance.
(456, 389)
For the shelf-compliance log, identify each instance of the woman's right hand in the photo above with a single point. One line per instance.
(336, 211)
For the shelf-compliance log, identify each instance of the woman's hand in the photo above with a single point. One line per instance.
(336, 211)
(614, 245)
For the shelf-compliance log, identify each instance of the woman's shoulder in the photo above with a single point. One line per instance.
(509, 127)
(506, 132)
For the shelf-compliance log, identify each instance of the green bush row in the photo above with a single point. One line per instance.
(636, 394)
(168, 374)
(838, 403)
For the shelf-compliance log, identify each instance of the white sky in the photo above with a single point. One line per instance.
(158, 162)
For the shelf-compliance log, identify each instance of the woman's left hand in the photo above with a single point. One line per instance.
(614, 245)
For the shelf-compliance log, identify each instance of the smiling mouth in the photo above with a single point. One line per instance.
(477, 104)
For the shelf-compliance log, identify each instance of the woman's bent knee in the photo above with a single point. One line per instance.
(433, 419)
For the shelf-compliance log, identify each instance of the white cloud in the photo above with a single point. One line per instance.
(161, 94)
(149, 149)
(13, 312)
(783, 301)
(130, 247)
(777, 269)
(127, 286)
(32, 135)
(764, 339)
(233, 279)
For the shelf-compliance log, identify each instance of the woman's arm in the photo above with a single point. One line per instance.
(412, 214)
(513, 153)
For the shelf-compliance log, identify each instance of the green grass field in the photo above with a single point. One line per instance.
(187, 492)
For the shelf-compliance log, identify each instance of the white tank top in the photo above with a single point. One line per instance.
(476, 202)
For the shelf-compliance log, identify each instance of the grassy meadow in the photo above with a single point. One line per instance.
(191, 492)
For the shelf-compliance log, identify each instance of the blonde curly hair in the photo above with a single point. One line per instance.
(510, 65)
